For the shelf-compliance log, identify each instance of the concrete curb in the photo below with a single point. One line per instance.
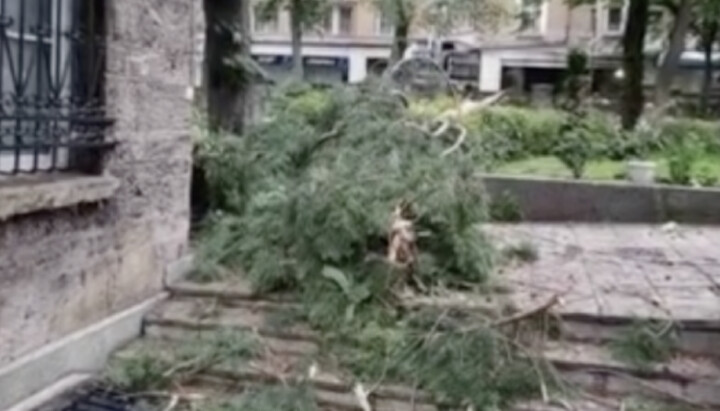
(85, 351)
(557, 200)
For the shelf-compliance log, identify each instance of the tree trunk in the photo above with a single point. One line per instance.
(633, 63)
(707, 75)
(664, 81)
(400, 41)
(227, 93)
(296, 33)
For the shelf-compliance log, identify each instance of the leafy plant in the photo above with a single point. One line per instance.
(505, 208)
(144, 371)
(524, 251)
(706, 134)
(707, 177)
(681, 158)
(575, 147)
(152, 369)
(576, 84)
(275, 398)
(644, 344)
(512, 132)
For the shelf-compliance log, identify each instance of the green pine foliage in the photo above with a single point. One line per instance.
(315, 186)
(155, 367)
(645, 343)
(304, 204)
(280, 398)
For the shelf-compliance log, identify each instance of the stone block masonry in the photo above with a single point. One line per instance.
(65, 269)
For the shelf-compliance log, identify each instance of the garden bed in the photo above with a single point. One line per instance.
(602, 170)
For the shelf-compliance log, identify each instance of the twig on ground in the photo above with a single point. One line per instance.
(174, 400)
(460, 140)
(414, 394)
(528, 314)
(193, 362)
(167, 394)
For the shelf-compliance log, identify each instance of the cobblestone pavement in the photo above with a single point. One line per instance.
(618, 269)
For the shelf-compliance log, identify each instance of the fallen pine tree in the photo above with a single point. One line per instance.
(345, 199)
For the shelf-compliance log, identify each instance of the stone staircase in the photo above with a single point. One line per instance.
(690, 381)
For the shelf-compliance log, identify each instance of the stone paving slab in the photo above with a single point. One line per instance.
(629, 270)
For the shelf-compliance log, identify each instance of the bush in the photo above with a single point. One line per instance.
(511, 132)
(432, 108)
(575, 146)
(681, 158)
(706, 177)
(705, 134)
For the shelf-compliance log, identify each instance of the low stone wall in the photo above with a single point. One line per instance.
(567, 200)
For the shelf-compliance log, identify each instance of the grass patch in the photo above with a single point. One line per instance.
(604, 170)
(524, 252)
(505, 208)
(275, 398)
(644, 344)
(152, 368)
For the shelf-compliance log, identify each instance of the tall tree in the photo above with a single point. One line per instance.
(706, 26)
(440, 16)
(683, 17)
(633, 42)
(304, 14)
(227, 39)
(402, 14)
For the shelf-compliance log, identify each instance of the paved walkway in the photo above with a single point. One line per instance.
(619, 270)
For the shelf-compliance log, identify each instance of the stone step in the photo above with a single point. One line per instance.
(226, 291)
(331, 391)
(695, 380)
(201, 314)
(580, 356)
(283, 346)
(696, 337)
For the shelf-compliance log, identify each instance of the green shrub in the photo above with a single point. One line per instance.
(283, 398)
(575, 145)
(681, 157)
(645, 343)
(505, 208)
(707, 177)
(142, 372)
(514, 132)
(705, 134)
(432, 108)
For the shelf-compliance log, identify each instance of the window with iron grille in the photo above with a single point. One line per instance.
(52, 66)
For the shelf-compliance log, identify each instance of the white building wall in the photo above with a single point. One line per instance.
(357, 56)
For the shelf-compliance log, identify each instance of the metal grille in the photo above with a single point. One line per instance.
(99, 399)
(52, 66)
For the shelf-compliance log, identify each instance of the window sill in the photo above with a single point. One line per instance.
(28, 194)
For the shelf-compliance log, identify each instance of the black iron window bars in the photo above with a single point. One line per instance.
(52, 67)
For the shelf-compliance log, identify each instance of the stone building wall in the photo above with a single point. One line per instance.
(64, 269)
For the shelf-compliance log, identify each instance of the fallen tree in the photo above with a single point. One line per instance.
(346, 200)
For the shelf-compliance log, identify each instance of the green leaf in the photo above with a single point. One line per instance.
(334, 274)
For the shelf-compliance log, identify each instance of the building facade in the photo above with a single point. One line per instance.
(353, 39)
(95, 162)
(528, 50)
